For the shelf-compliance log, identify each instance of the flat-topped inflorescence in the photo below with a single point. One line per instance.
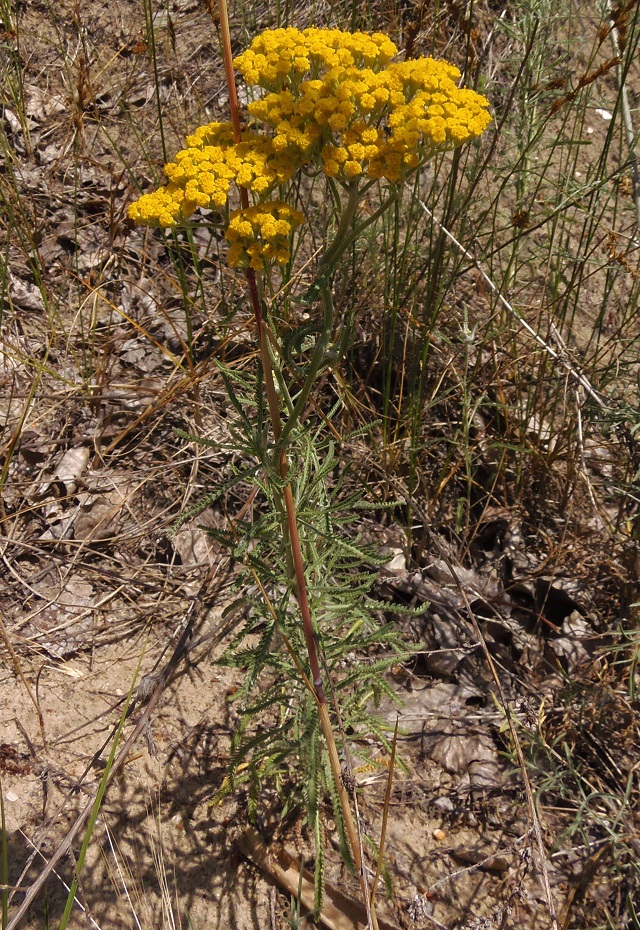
(332, 98)
(280, 57)
(202, 174)
(262, 234)
(339, 96)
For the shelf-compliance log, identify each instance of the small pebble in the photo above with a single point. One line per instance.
(444, 804)
(439, 835)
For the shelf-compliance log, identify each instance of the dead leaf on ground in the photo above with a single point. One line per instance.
(71, 466)
(463, 751)
(576, 646)
(64, 623)
(40, 103)
(23, 295)
(100, 515)
(483, 856)
(193, 544)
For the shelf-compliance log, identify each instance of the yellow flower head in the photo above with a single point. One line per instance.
(327, 90)
(261, 234)
(332, 97)
(202, 174)
(281, 57)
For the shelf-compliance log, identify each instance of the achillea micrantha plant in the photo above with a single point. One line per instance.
(332, 103)
(330, 98)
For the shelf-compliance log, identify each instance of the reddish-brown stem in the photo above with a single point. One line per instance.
(301, 585)
(272, 396)
(231, 80)
(283, 468)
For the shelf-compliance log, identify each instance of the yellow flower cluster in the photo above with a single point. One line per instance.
(282, 56)
(261, 234)
(201, 175)
(360, 113)
(332, 97)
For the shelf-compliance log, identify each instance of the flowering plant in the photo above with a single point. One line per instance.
(333, 103)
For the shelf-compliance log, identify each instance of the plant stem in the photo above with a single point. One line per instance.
(341, 235)
(230, 77)
(301, 590)
(272, 396)
(283, 467)
(344, 236)
(301, 587)
(318, 357)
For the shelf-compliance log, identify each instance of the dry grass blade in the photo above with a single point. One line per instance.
(562, 356)
(385, 815)
(78, 903)
(626, 111)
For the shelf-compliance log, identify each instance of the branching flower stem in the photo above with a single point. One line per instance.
(345, 235)
(341, 234)
(317, 360)
(280, 437)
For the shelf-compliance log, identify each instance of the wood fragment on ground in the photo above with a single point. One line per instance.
(339, 912)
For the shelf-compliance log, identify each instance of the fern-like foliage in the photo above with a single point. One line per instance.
(278, 741)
